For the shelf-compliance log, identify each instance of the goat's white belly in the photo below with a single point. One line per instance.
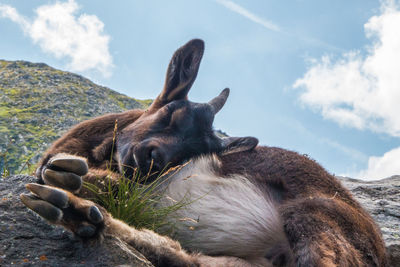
(226, 216)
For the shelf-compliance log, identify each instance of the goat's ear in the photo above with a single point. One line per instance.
(181, 73)
(232, 145)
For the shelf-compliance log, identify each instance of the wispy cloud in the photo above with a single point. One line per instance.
(249, 15)
(60, 31)
(351, 152)
(269, 25)
(298, 127)
(12, 14)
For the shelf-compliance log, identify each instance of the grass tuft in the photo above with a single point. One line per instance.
(137, 203)
(5, 171)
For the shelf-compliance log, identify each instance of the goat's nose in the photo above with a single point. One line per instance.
(153, 158)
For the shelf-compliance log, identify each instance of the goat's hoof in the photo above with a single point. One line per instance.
(65, 171)
(70, 164)
(43, 208)
(61, 207)
(65, 180)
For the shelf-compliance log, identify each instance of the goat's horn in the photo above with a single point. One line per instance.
(218, 102)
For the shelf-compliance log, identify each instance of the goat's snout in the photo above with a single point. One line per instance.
(150, 158)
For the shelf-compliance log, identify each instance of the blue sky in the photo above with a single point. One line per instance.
(319, 77)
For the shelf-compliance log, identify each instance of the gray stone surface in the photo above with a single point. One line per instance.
(382, 200)
(27, 240)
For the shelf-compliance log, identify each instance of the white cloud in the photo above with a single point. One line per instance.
(249, 15)
(59, 30)
(382, 167)
(362, 91)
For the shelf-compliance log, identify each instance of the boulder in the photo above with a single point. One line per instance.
(27, 240)
(382, 200)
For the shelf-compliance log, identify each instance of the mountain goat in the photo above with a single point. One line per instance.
(252, 205)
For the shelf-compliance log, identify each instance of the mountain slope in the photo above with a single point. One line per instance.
(39, 103)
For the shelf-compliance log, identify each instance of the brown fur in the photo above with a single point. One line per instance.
(87, 139)
(322, 221)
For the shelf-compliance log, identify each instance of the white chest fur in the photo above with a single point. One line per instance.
(228, 215)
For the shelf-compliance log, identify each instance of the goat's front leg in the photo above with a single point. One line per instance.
(70, 171)
(61, 207)
(92, 222)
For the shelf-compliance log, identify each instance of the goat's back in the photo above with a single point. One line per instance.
(312, 203)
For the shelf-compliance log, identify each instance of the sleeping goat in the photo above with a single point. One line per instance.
(249, 205)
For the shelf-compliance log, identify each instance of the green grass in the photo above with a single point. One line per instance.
(137, 203)
(5, 170)
(145, 103)
(4, 111)
(5, 165)
(3, 63)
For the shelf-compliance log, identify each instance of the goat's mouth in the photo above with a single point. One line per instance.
(148, 172)
(127, 164)
(132, 168)
(128, 171)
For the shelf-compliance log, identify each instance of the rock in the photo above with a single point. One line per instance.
(39, 103)
(381, 199)
(27, 240)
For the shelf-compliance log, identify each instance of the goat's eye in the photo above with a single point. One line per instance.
(164, 115)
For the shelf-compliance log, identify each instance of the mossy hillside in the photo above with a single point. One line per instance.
(39, 103)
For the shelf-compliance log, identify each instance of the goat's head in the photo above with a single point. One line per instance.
(174, 129)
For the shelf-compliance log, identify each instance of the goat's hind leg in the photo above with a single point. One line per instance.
(329, 232)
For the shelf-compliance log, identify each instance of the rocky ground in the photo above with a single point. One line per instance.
(382, 199)
(39, 103)
(26, 240)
